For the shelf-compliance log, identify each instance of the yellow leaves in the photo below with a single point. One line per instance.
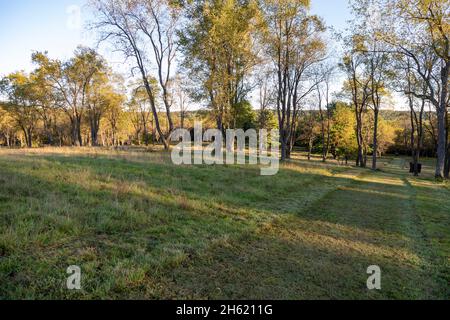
(289, 3)
(18, 86)
(344, 124)
(425, 6)
(18, 78)
(347, 60)
(386, 132)
(429, 20)
(230, 23)
(222, 40)
(359, 43)
(434, 13)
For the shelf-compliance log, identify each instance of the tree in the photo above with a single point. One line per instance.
(218, 47)
(181, 97)
(309, 127)
(243, 116)
(375, 59)
(20, 90)
(133, 24)
(157, 19)
(101, 97)
(417, 106)
(114, 115)
(71, 82)
(266, 118)
(140, 105)
(324, 74)
(47, 104)
(358, 85)
(385, 135)
(293, 43)
(343, 134)
(7, 127)
(415, 25)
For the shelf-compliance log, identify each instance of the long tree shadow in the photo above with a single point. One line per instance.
(154, 215)
(362, 205)
(274, 267)
(326, 259)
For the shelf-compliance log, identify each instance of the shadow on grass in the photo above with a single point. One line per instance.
(160, 231)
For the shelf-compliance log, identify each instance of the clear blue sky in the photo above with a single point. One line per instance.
(42, 25)
(335, 12)
(36, 25)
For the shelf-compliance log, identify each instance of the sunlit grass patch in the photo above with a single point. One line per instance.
(140, 227)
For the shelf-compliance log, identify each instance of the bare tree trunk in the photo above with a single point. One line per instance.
(310, 146)
(364, 164)
(168, 113)
(322, 125)
(77, 139)
(441, 150)
(412, 136)
(442, 125)
(73, 131)
(8, 139)
(48, 130)
(80, 137)
(95, 126)
(447, 161)
(153, 133)
(375, 139)
(28, 136)
(154, 111)
(112, 137)
(324, 148)
(284, 145)
(219, 121)
(146, 136)
(359, 137)
(182, 119)
(420, 136)
(327, 150)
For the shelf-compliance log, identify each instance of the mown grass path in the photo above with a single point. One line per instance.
(142, 228)
(323, 250)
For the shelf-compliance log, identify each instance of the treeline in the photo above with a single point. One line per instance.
(111, 118)
(404, 47)
(393, 134)
(228, 51)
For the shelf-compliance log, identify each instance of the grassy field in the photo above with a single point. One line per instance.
(142, 228)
